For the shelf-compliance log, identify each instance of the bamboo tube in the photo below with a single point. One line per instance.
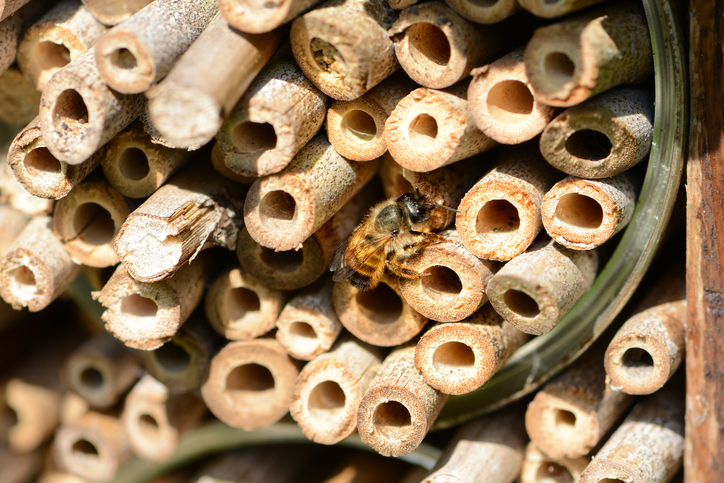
(59, 37)
(571, 413)
(12, 28)
(432, 128)
(189, 105)
(59, 476)
(284, 209)
(101, 371)
(502, 103)
(275, 464)
(197, 208)
(88, 219)
(96, 277)
(140, 51)
(79, 113)
(453, 280)
(250, 383)
(112, 13)
(343, 46)
(540, 468)
(8, 7)
(649, 444)
(499, 217)
(575, 59)
(255, 18)
(398, 409)
(485, 12)
(12, 223)
(136, 166)
(354, 128)
(602, 137)
(647, 349)
(217, 160)
(14, 194)
(36, 269)
(328, 391)
(555, 8)
(146, 315)
(154, 420)
(41, 173)
(582, 214)
(18, 98)
(277, 115)
(239, 307)
(365, 467)
(15, 468)
(536, 289)
(460, 357)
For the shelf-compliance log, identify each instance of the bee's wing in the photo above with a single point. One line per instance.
(339, 266)
(338, 258)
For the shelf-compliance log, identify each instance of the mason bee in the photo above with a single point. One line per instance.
(393, 231)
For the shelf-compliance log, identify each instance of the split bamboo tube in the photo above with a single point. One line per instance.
(570, 61)
(136, 166)
(432, 128)
(354, 128)
(649, 444)
(647, 349)
(258, 18)
(485, 12)
(536, 289)
(79, 113)
(239, 307)
(140, 51)
(582, 213)
(380, 316)
(101, 371)
(279, 113)
(540, 468)
(195, 209)
(59, 37)
(343, 47)
(282, 210)
(18, 98)
(250, 383)
(12, 28)
(502, 102)
(146, 315)
(460, 357)
(154, 420)
(14, 194)
(36, 268)
(41, 173)
(308, 324)
(602, 137)
(555, 8)
(19, 468)
(571, 413)
(88, 219)
(499, 217)
(328, 391)
(189, 105)
(112, 12)
(399, 408)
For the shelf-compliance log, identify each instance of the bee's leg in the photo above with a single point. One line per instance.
(401, 270)
(360, 282)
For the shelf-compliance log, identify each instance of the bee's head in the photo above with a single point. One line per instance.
(417, 210)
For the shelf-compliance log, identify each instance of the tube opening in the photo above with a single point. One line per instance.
(93, 224)
(24, 278)
(392, 420)
(70, 112)
(276, 206)
(521, 303)
(148, 426)
(327, 396)
(579, 211)
(172, 358)
(423, 129)
(250, 378)
(91, 378)
(85, 448)
(239, 301)
(453, 355)
(50, 56)
(499, 218)
(123, 59)
(428, 44)
(327, 57)
(39, 162)
(133, 164)
(559, 67)
(382, 305)
(288, 261)
(638, 362)
(564, 420)
(510, 101)
(302, 330)
(137, 305)
(589, 144)
(550, 472)
(359, 125)
(249, 137)
(441, 280)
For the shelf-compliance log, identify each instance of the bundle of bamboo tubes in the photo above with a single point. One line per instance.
(202, 164)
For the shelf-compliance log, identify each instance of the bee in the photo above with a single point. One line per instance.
(392, 232)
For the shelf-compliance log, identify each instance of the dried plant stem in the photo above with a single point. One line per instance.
(555, 8)
(19, 99)
(253, 17)
(485, 12)
(540, 468)
(12, 28)
(14, 194)
(112, 13)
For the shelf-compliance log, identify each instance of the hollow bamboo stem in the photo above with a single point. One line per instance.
(555, 8)
(14, 194)
(12, 28)
(255, 18)
(540, 468)
(112, 13)
(18, 98)
(485, 12)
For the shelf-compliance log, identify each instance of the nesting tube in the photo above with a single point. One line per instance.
(239, 307)
(250, 383)
(499, 217)
(343, 46)
(540, 468)
(217, 161)
(59, 37)
(112, 13)
(12, 28)
(36, 268)
(146, 315)
(502, 102)
(602, 137)
(485, 12)
(19, 99)
(189, 105)
(575, 59)
(328, 391)
(250, 16)
(13, 193)
(41, 173)
(12, 223)
(282, 210)
(399, 408)
(432, 128)
(459, 357)
(582, 214)
(555, 8)
(279, 113)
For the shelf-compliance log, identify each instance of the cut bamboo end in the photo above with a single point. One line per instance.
(250, 383)
(239, 307)
(647, 349)
(112, 13)
(399, 408)
(36, 409)
(19, 99)
(555, 8)
(329, 389)
(485, 12)
(502, 102)
(13, 193)
(345, 70)
(429, 129)
(249, 16)
(12, 28)
(602, 137)
(36, 268)
(459, 357)
(57, 476)
(575, 59)
(582, 214)
(540, 468)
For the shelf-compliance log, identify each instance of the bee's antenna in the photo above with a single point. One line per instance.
(436, 205)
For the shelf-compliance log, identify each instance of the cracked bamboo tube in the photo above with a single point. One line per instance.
(257, 18)
(485, 12)
(14, 194)
(555, 8)
(113, 12)
(540, 468)
(19, 99)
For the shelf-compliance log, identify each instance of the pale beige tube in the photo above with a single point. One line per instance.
(257, 18)
(12, 28)
(19, 99)
(540, 468)
(14, 194)
(555, 8)
(12, 223)
(485, 12)
(217, 160)
(113, 12)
